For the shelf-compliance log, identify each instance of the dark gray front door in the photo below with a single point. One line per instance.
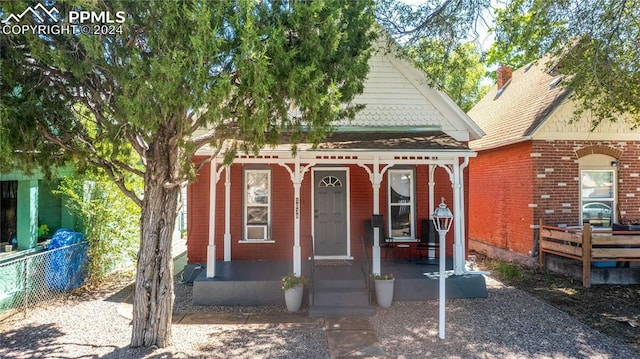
(330, 213)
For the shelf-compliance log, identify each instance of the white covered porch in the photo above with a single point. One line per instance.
(435, 150)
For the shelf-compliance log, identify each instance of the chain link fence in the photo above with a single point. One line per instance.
(40, 277)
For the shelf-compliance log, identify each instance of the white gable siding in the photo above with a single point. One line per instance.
(391, 100)
(559, 126)
(397, 95)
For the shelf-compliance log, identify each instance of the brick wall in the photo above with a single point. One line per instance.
(557, 181)
(511, 188)
(500, 198)
(198, 216)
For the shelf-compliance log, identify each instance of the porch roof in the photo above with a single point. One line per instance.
(394, 140)
(398, 142)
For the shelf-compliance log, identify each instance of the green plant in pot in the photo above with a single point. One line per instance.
(293, 287)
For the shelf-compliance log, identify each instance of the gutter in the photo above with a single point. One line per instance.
(502, 144)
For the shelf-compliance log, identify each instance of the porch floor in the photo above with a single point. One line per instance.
(258, 282)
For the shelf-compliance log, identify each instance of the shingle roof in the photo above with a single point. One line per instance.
(385, 140)
(525, 102)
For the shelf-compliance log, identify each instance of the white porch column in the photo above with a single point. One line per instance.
(462, 215)
(227, 214)
(458, 235)
(211, 248)
(376, 178)
(296, 178)
(432, 187)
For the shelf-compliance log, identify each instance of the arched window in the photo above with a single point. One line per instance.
(330, 181)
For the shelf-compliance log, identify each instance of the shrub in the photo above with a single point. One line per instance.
(291, 280)
(110, 221)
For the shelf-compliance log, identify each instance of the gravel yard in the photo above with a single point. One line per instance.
(508, 324)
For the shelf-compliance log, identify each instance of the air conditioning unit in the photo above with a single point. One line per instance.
(256, 232)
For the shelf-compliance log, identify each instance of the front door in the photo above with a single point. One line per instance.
(330, 213)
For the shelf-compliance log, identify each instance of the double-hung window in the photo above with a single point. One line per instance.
(401, 203)
(597, 192)
(257, 204)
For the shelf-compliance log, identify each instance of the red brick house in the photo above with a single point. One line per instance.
(534, 162)
(401, 154)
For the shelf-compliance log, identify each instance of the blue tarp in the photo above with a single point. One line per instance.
(66, 267)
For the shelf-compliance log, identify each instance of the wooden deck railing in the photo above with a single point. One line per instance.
(588, 246)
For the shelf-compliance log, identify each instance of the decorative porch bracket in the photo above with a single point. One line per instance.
(297, 176)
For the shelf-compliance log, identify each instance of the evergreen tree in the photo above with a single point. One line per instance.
(172, 77)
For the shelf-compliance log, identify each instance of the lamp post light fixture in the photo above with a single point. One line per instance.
(442, 219)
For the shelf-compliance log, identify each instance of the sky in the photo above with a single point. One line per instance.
(483, 37)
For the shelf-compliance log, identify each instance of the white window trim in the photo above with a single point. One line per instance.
(613, 200)
(412, 237)
(246, 226)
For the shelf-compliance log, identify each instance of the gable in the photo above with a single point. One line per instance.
(533, 106)
(560, 126)
(396, 94)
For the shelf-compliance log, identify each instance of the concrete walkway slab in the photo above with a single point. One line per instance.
(352, 338)
(350, 323)
(354, 343)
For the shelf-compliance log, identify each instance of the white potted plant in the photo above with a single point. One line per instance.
(384, 289)
(293, 287)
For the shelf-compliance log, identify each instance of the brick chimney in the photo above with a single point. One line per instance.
(503, 75)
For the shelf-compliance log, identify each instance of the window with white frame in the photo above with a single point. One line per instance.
(401, 203)
(597, 192)
(257, 204)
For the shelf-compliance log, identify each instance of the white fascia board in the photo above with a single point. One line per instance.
(359, 157)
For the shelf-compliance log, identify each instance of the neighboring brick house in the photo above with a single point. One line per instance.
(535, 162)
(404, 151)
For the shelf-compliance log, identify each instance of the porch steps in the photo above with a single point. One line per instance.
(340, 298)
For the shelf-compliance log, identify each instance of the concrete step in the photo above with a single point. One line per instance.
(344, 297)
(340, 311)
(340, 283)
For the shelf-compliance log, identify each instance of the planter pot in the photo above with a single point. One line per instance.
(293, 298)
(384, 292)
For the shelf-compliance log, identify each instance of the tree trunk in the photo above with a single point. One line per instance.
(153, 295)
